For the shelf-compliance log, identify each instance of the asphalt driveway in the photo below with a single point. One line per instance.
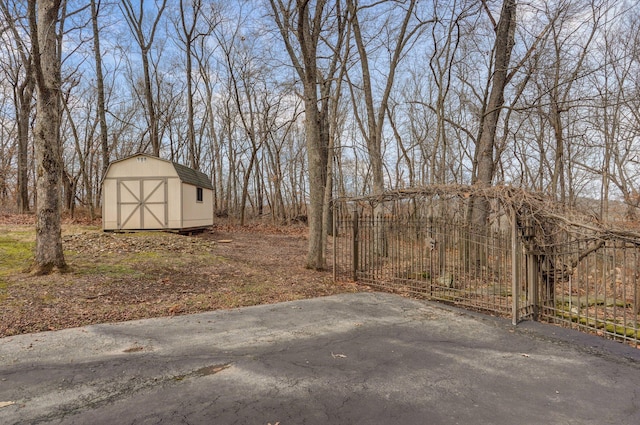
(349, 359)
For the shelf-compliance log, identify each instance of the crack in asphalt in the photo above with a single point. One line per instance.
(119, 390)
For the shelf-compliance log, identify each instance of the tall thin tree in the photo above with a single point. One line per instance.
(135, 20)
(301, 26)
(485, 163)
(191, 12)
(101, 110)
(23, 83)
(372, 125)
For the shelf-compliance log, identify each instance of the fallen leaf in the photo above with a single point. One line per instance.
(134, 349)
(6, 403)
(175, 309)
(180, 275)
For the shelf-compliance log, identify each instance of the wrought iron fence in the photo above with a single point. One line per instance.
(583, 283)
(434, 258)
(592, 285)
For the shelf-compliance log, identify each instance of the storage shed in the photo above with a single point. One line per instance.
(142, 192)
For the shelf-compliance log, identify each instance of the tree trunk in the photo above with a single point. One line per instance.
(307, 29)
(135, 23)
(25, 97)
(558, 190)
(151, 107)
(188, 33)
(48, 253)
(373, 129)
(315, 254)
(315, 156)
(505, 33)
(104, 142)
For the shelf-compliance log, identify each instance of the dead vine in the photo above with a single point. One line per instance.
(546, 225)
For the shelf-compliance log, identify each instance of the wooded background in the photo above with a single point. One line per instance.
(273, 98)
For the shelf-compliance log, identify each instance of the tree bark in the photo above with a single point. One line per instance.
(104, 142)
(505, 35)
(48, 253)
(307, 31)
(188, 36)
(24, 99)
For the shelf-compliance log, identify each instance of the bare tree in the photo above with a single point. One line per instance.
(562, 81)
(372, 124)
(23, 83)
(79, 123)
(7, 148)
(301, 27)
(484, 155)
(445, 36)
(193, 25)
(136, 20)
(43, 20)
(278, 150)
(101, 109)
(244, 73)
(616, 115)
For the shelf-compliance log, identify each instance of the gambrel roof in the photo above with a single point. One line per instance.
(191, 176)
(186, 174)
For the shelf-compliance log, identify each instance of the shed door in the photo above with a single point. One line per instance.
(142, 203)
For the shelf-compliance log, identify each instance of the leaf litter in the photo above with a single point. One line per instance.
(127, 276)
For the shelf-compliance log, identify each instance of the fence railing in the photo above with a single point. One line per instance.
(596, 292)
(493, 270)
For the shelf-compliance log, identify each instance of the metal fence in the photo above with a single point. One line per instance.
(434, 258)
(592, 285)
(582, 283)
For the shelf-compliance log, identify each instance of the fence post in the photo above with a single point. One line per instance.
(333, 237)
(356, 255)
(515, 295)
(532, 276)
(533, 281)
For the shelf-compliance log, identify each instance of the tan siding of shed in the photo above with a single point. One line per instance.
(182, 210)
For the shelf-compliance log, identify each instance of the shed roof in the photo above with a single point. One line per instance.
(186, 174)
(191, 176)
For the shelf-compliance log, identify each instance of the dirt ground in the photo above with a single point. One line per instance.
(125, 276)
